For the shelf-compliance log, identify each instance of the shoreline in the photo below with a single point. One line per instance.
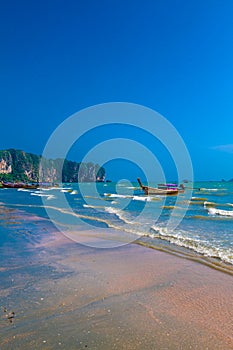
(189, 254)
(216, 262)
(158, 244)
(71, 296)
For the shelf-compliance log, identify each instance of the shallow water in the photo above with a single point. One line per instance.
(71, 298)
(200, 220)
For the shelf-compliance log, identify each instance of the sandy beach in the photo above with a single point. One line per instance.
(130, 297)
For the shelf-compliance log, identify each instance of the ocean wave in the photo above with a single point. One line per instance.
(39, 194)
(209, 204)
(220, 212)
(200, 246)
(53, 188)
(180, 238)
(214, 204)
(130, 228)
(51, 197)
(93, 206)
(208, 217)
(198, 199)
(143, 199)
(134, 198)
(120, 214)
(88, 206)
(74, 192)
(65, 190)
(211, 189)
(115, 195)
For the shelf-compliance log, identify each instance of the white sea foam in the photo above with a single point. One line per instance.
(144, 199)
(88, 206)
(120, 214)
(51, 188)
(213, 204)
(40, 194)
(93, 206)
(134, 198)
(220, 212)
(217, 212)
(115, 195)
(209, 204)
(182, 239)
(51, 197)
(74, 192)
(56, 188)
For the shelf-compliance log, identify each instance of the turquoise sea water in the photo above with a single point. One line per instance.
(42, 303)
(200, 221)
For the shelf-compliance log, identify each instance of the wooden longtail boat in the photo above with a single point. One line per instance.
(158, 191)
(18, 185)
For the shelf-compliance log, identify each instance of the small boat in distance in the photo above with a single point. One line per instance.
(164, 190)
(19, 185)
(171, 187)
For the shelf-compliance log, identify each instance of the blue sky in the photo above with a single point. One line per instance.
(176, 57)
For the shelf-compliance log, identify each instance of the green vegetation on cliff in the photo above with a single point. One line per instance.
(17, 165)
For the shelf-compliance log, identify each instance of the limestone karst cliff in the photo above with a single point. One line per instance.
(17, 165)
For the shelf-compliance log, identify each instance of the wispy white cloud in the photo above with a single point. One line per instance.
(224, 148)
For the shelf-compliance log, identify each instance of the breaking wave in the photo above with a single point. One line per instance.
(182, 239)
(134, 198)
(220, 212)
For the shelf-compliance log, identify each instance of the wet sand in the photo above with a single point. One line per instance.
(130, 297)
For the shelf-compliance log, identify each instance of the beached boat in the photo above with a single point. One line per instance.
(158, 191)
(18, 185)
(30, 186)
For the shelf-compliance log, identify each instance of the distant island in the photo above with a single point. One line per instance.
(17, 165)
